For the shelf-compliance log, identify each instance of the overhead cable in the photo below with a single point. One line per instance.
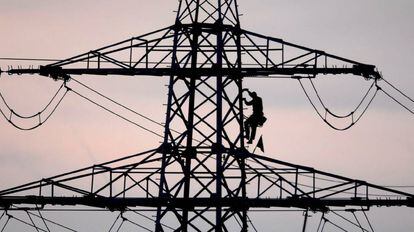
(50, 221)
(116, 114)
(398, 90)
(351, 222)
(367, 219)
(33, 223)
(11, 113)
(355, 119)
(336, 225)
(135, 224)
(251, 223)
(128, 108)
(113, 224)
(394, 98)
(151, 219)
(119, 104)
(45, 220)
(27, 223)
(5, 224)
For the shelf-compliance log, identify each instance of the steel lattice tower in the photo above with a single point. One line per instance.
(202, 178)
(207, 107)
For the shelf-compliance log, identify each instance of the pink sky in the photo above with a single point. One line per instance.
(378, 149)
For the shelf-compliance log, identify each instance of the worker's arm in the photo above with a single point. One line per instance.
(249, 103)
(247, 90)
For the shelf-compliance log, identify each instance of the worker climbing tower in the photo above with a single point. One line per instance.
(203, 177)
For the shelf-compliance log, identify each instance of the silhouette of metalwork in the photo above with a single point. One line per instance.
(202, 177)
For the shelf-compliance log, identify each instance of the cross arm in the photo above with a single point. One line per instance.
(278, 57)
(168, 51)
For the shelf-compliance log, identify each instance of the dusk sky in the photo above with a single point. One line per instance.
(379, 149)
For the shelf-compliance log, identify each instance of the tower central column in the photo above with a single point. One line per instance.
(204, 122)
(208, 11)
(219, 121)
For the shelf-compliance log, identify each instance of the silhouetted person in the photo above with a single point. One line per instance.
(256, 119)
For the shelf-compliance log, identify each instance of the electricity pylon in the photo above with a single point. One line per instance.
(203, 178)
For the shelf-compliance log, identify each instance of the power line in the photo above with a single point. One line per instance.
(41, 120)
(135, 224)
(43, 219)
(26, 223)
(146, 217)
(251, 223)
(334, 114)
(398, 90)
(33, 223)
(327, 111)
(7, 222)
(335, 225)
(369, 222)
(399, 102)
(50, 221)
(349, 221)
(113, 224)
(119, 104)
(321, 223)
(33, 115)
(129, 109)
(116, 114)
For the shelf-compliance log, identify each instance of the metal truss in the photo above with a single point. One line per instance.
(202, 178)
(133, 183)
(172, 51)
(151, 54)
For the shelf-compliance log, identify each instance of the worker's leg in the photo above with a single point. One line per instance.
(247, 129)
(254, 128)
(253, 122)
